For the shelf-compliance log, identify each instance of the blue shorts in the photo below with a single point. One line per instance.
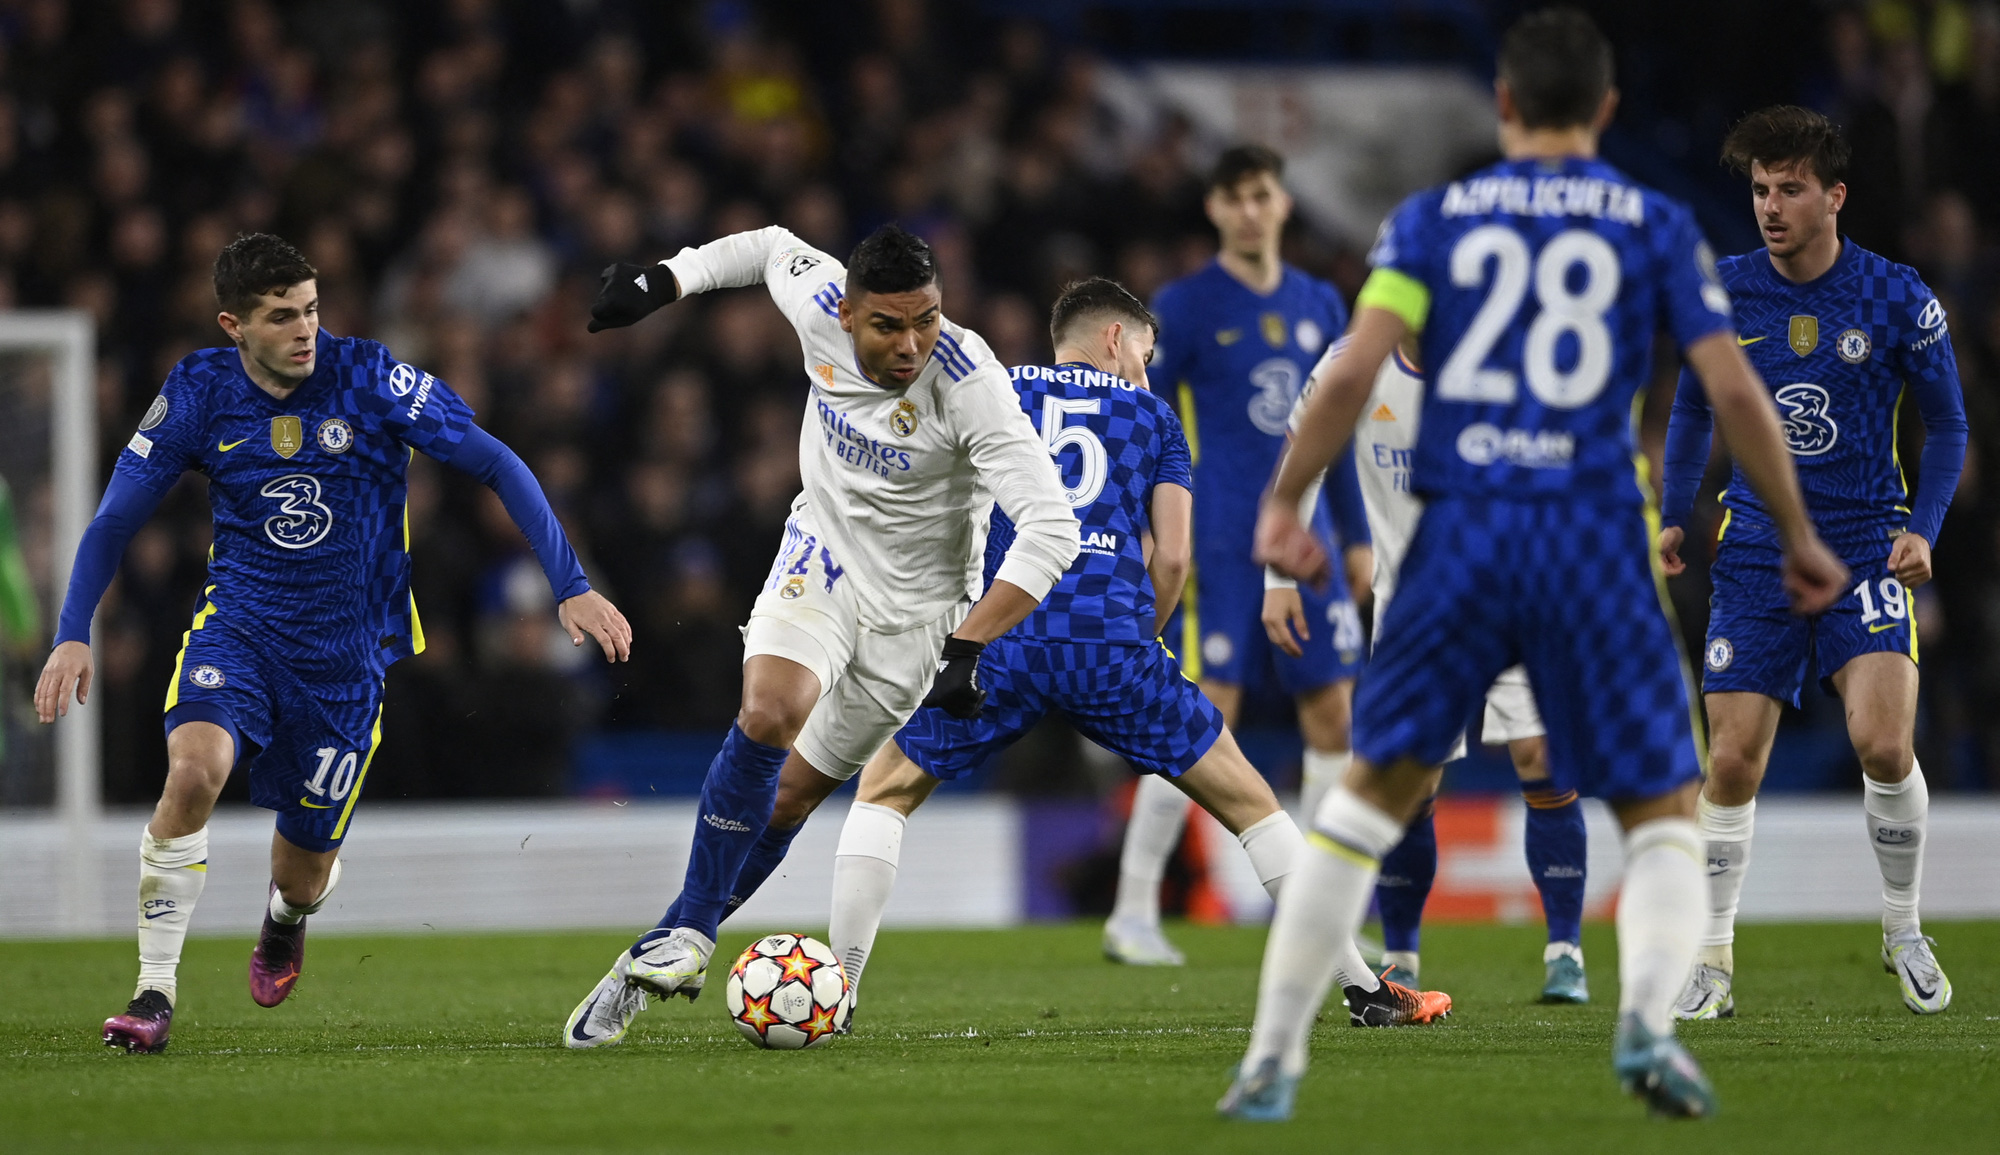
(1568, 589)
(313, 741)
(1132, 700)
(1219, 629)
(1756, 644)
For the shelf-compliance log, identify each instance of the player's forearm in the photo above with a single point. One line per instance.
(1748, 422)
(1343, 500)
(1003, 608)
(1945, 434)
(1172, 555)
(1327, 424)
(728, 262)
(125, 508)
(1690, 438)
(484, 457)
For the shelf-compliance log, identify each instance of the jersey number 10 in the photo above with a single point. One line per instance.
(1466, 376)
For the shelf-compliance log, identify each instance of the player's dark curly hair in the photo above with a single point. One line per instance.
(890, 260)
(254, 264)
(1557, 65)
(1096, 301)
(1785, 136)
(1244, 160)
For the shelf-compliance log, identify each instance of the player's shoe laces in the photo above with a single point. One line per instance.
(143, 1028)
(1707, 995)
(1400, 975)
(276, 961)
(1139, 944)
(675, 963)
(1262, 1095)
(1563, 980)
(1659, 1070)
(1394, 1005)
(602, 1018)
(1926, 990)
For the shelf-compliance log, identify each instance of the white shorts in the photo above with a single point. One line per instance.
(1510, 709)
(870, 682)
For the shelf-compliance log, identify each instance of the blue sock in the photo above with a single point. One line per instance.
(1405, 882)
(736, 801)
(771, 848)
(1556, 857)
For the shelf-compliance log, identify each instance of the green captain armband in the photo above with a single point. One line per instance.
(1398, 293)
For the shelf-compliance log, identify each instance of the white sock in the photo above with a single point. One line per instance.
(1274, 845)
(1726, 830)
(1318, 913)
(1660, 917)
(1159, 813)
(285, 912)
(864, 872)
(1898, 813)
(172, 872)
(1406, 959)
(1321, 772)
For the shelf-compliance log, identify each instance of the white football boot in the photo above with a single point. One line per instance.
(1139, 944)
(675, 963)
(1926, 990)
(1707, 995)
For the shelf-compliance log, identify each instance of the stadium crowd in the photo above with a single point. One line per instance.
(460, 171)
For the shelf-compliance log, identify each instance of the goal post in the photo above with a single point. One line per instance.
(68, 338)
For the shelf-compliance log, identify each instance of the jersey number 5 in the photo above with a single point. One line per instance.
(1579, 312)
(1095, 462)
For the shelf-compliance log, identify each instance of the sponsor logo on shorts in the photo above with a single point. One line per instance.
(730, 825)
(1720, 654)
(1852, 345)
(207, 677)
(335, 435)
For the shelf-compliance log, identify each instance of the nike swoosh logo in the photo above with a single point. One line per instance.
(1883, 626)
(1748, 340)
(226, 446)
(314, 805)
(162, 914)
(1921, 992)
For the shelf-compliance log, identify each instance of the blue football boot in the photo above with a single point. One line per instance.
(1659, 1070)
(1264, 1095)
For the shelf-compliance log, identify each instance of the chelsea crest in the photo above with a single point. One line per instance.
(335, 435)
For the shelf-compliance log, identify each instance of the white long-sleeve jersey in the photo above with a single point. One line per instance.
(1384, 440)
(899, 483)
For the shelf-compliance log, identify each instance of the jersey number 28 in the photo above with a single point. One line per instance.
(1578, 312)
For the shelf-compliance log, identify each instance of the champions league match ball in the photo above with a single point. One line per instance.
(787, 992)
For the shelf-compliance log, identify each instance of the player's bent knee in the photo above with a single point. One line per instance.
(1887, 758)
(772, 722)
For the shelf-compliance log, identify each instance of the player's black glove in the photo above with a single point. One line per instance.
(628, 292)
(956, 690)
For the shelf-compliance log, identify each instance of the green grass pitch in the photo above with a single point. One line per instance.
(1004, 1041)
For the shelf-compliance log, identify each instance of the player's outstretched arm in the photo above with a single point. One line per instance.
(1748, 421)
(1172, 515)
(1326, 425)
(126, 506)
(580, 609)
(629, 293)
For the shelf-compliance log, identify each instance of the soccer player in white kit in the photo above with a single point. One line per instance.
(1384, 442)
(912, 434)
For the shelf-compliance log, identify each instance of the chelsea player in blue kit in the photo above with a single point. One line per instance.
(1237, 340)
(1840, 335)
(1536, 287)
(306, 439)
(1092, 650)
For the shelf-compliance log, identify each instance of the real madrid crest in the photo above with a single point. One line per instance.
(1852, 345)
(794, 588)
(287, 435)
(1273, 325)
(1803, 334)
(904, 420)
(335, 435)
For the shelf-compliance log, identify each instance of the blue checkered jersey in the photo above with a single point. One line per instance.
(1538, 286)
(311, 549)
(1236, 362)
(1113, 441)
(1838, 354)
